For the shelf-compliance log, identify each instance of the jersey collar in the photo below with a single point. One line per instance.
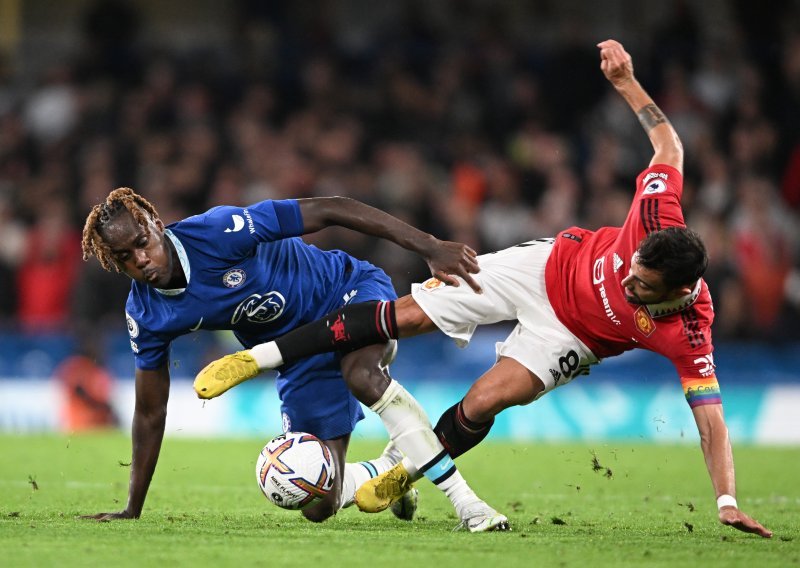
(184, 264)
(673, 306)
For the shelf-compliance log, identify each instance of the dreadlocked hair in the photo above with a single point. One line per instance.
(122, 198)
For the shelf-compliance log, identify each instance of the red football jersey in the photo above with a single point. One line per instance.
(584, 283)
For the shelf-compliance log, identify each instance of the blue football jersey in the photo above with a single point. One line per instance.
(246, 271)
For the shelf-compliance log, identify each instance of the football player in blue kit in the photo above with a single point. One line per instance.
(244, 269)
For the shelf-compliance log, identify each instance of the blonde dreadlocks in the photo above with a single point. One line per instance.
(103, 213)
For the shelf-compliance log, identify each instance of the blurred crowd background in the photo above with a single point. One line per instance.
(481, 121)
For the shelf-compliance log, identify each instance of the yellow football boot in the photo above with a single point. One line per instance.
(381, 492)
(224, 374)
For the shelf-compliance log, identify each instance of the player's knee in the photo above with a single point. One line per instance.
(365, 379)
(319, 514)
(323, 510)
(369, 385)
(483, 404)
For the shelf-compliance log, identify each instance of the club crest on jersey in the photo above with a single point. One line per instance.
(432, 284)
(644, 323)
(286, 422)
(258, 308)
(234, 278)
(133, 327)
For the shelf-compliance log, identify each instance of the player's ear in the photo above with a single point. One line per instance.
(681, 291)
(160, 224)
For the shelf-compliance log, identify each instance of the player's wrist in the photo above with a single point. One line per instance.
(624, 83)
(726, 501)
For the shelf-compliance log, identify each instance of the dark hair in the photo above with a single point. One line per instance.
(677, 253)
(119, 200)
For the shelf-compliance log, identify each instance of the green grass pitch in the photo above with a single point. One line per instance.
(645, 505)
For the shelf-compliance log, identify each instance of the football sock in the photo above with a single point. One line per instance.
(349, 328)
(407, 424)
(457, 433)
(454, 486)
(355, 474)
(409, 429)
(267, 355)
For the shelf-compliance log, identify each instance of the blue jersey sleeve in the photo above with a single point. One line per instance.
(150, 349)
(238, 230)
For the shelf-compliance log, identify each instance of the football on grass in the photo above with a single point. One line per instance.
(295, 470)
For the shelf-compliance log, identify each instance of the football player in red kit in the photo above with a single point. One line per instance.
(579, 298)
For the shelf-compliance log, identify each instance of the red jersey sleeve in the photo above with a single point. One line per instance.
(699, 379)
(657, 202)
(693, 356)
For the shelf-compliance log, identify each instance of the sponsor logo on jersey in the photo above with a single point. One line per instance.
(133, 327)
(654, 182)
(251, 228)
(432, 284)
(556, 376)
(706, 365)
(644, 323)
(617, 263)
(258, 308)
(134, 347)
(572, 237)
(234, 278)
(238, 224)
(598, 276)
(598, 272)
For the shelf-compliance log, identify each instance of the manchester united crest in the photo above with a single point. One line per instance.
(432, 284)
(644, 323)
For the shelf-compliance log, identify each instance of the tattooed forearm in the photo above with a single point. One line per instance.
(650, 116)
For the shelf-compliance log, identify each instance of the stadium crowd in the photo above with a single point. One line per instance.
(459, 122)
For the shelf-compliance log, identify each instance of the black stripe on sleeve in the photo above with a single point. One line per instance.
(643, 216)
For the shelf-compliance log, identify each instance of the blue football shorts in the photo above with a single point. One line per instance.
(314, 396)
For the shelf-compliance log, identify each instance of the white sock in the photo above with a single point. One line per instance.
(455, 487)
(355, 474)
(407, 425)
(267, 355)
(411, 432)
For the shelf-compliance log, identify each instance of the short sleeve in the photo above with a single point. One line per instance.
(697, 372)
(657, 202)
(150, 350)
(238, 230)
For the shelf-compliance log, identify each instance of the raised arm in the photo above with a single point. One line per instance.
(444, 258)
(617, 66)
(719, 461)
(149, 418)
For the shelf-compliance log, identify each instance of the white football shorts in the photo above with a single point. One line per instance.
(513, 284)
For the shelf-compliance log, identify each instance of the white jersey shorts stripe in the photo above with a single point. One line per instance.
(513, 283)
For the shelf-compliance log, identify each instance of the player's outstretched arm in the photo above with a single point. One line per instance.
(149, 418)
(719, 461)
(617, 66)
(446, 259)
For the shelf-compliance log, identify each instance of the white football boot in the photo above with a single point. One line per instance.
(480, 517)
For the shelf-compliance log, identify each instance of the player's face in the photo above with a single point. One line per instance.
(140, 252)
(644, 285)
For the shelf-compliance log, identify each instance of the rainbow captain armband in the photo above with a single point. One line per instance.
(701, 391)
